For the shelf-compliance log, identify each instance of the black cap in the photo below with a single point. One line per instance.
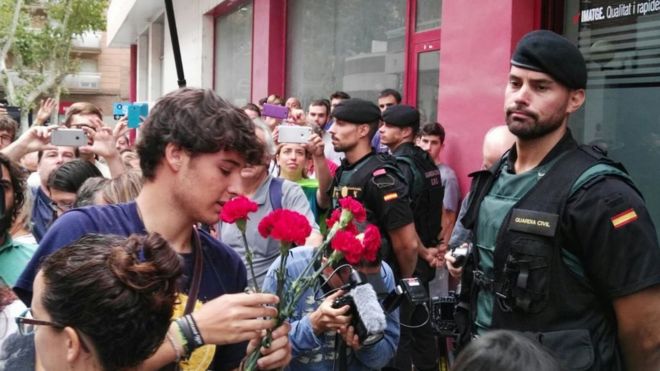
(548, 52)
(357, 111)
(402, 116)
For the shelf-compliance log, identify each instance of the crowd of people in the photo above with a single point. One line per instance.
(113, 256)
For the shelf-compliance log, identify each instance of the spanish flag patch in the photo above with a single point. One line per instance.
(390, 196)
(621, 219)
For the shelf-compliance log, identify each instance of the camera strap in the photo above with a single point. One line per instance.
(341, 362)
(198, 257)
(193, 292)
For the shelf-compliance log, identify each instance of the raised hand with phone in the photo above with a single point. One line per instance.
(37, 138)
(102, 142)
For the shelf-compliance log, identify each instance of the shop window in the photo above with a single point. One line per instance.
(349, 45)
(427, 15)
(620, 41)
(233, 55)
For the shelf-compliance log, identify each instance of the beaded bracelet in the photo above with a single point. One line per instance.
(185, 345)
(177, 349)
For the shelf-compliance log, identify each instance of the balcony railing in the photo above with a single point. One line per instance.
(83, 82)
(89, 42)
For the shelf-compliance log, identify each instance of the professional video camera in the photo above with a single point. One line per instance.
(367, 316)
(442, 315)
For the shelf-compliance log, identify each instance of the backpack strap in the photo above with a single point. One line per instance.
(275, 193)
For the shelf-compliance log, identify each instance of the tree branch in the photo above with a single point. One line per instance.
(10, 35)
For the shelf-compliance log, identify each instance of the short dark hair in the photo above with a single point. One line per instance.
(373, 128)
(18, 184)
(9, 124)
(252, 107)
(71, 175)
(118, 291)
(321, 102)
(339, 95)
(433, 128)
(387, 92)
(505, 350)
(199, 121)
(81, 108)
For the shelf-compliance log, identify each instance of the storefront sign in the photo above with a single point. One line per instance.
(610, 10)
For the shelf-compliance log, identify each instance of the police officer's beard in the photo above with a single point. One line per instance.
(343, 148)
(532, 128)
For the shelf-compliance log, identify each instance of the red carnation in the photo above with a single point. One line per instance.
(371, 242)
(356, 208)
(266, 225)
(350, 247)
(237, 209)
(285, 226)
(350, 227)
(334, 218)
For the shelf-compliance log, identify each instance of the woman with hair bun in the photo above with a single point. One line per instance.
(103, 303)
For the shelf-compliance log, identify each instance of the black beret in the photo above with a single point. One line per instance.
(357, 111)
(402, 116)
(548, 52)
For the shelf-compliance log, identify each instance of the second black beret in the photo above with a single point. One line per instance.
(402, 116)
(357, 111)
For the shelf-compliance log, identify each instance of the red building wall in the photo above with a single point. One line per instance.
(477, 40)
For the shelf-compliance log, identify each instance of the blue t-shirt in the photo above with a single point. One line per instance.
(223, 271)
(42, 213)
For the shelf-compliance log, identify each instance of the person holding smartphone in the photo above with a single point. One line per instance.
(187, 180)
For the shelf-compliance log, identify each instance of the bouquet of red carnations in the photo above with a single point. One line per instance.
(290, 227)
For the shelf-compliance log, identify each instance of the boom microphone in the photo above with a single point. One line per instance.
(369, 309)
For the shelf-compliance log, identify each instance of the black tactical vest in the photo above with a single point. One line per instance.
(426, 192)
(535, 291)
(353, 182)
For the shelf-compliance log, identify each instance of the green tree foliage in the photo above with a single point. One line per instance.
(38, 44)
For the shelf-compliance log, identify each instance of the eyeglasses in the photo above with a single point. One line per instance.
(385, 105)
(61, 206)
(27, 325)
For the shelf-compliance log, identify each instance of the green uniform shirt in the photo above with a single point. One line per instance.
(507, 190)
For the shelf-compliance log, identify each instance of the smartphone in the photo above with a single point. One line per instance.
(135, 112)
(275, 111)
(68, 137)
(120, 109)
(294, 134)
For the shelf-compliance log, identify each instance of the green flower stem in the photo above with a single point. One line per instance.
(251, 361)
(248, 254)
(303, 282)
(321, 249)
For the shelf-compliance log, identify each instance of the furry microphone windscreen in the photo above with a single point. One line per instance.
(367, 305)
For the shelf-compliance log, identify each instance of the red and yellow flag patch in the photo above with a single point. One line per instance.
(621, 219)
(390, 196)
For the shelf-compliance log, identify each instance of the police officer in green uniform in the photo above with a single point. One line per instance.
(565, 249)
(375, 181)
(400, 126)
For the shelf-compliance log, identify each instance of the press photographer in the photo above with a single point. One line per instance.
(326, 319)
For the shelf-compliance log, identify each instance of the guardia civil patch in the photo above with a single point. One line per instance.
(621, 219)
(390, 196)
